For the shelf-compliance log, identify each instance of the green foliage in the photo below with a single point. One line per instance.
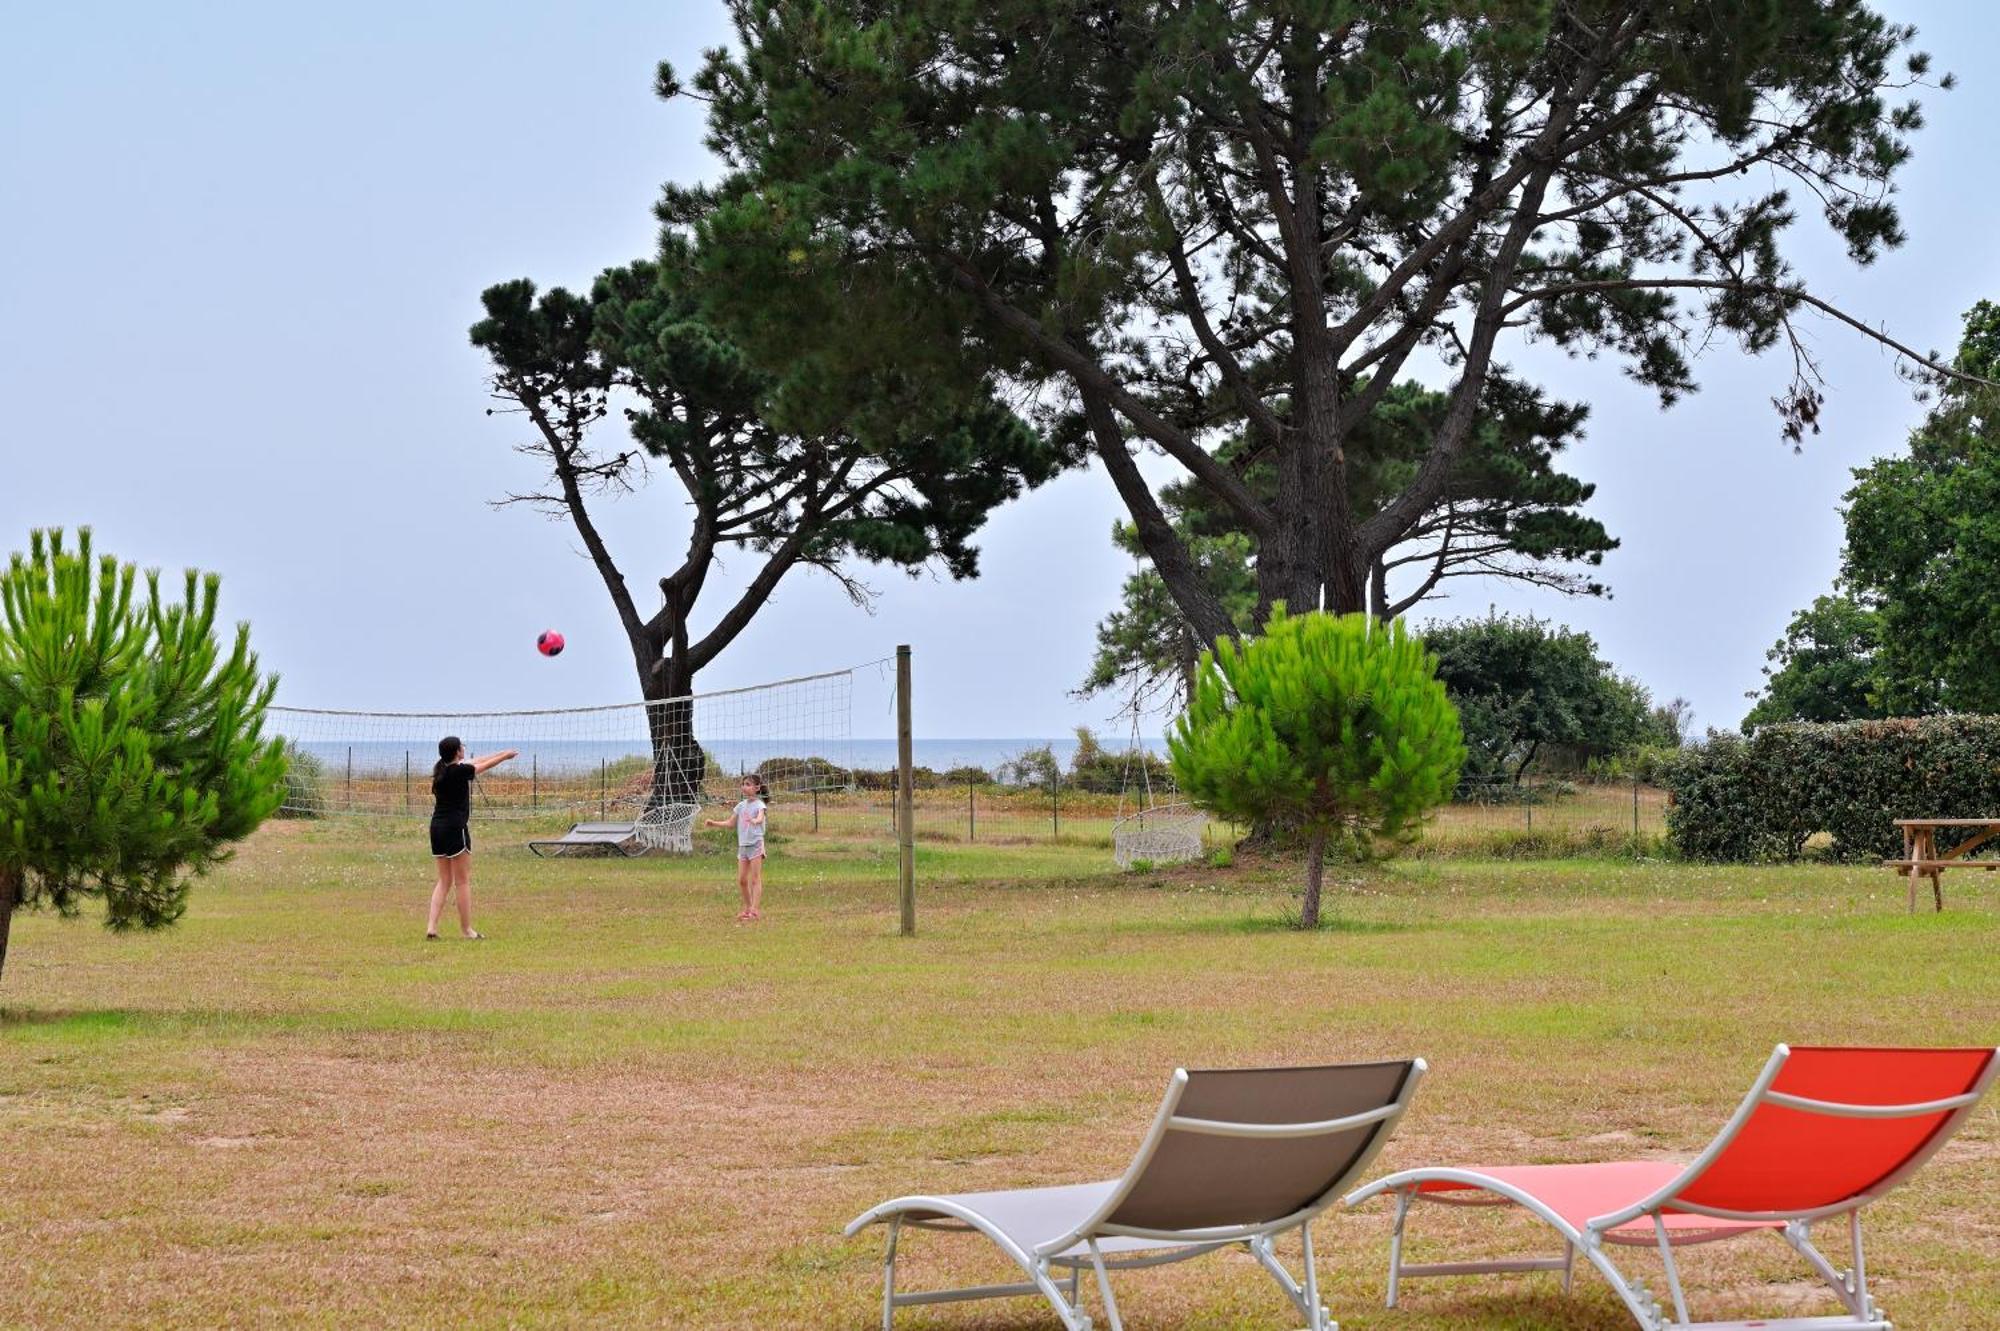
(1763, 798)
(1100, 771)
(1036, 765)
(1330, 726)
(305, 784)
(1913, 627)
(131, 749)
(797, 462)
(1923, 544)
(1824, 668)
(1176, 224)
(1509, 514)
(1528, 691)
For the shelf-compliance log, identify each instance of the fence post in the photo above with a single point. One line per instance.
(815, 795)
(603, 788)
(1528, 803)
(406, 780)
(534, 781)
(1055, 809)
(906, 838)
(971, 814)
(1635, 808)
(350, 778)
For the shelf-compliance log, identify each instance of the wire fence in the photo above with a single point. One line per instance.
(1486, 815)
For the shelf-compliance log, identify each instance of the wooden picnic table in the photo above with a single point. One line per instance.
(1920, 852)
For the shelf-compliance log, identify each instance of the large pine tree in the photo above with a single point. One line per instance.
(1183, 222)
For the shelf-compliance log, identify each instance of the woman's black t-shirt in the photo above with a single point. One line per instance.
(453, 789)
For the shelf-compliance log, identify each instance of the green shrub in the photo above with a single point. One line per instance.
(1334, 727)
(1221, 857)
(305, 784)
(1763, 798)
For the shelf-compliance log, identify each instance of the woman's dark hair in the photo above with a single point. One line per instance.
(448, 750)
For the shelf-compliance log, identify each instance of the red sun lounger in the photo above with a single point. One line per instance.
(1822, 1133)
(1235, 1157)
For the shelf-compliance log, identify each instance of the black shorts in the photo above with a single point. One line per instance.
(450, 838)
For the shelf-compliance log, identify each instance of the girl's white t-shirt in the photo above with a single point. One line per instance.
(749, 835)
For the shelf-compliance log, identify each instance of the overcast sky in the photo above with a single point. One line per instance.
(242, 245)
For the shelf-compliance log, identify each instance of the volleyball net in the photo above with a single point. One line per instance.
(617, 761)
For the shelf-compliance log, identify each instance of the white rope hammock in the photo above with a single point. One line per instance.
(1156, 834)
(1168, 834)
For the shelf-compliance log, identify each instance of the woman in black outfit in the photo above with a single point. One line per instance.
(451, 829)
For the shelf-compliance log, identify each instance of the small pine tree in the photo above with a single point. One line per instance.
(131, 753)
(1327, 726)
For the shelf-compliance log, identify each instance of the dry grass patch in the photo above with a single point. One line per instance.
(625, 1110)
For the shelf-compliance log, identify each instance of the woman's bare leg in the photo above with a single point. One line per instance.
(756, 888)
(461, 872)
(438, 894)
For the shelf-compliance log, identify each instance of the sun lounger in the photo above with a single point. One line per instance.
(1232, 1157)
(1822, 1133)
(593, 839)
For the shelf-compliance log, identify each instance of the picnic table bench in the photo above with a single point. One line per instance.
(1921, 857)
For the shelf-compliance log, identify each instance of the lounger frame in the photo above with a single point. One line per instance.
(1601, 1232)
(1055, 1273)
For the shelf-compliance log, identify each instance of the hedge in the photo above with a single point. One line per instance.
(1763, 798)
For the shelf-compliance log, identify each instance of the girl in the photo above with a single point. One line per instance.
(748, 820)
(451, 829)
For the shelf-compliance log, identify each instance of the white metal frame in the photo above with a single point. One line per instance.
(1600, 1232)
(1053, 1260)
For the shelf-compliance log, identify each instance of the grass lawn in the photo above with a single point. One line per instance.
(624, 1109)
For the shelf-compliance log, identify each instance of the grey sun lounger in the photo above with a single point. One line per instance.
(1232, 1157)
(593, 838)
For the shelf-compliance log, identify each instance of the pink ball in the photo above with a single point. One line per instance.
(550, 643)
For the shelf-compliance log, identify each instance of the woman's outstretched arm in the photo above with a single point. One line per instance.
(493, 760)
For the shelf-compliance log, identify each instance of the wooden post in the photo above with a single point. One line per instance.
(534, 781)
(603, 788)
(1635, 808)
(1910, 854)
(1055, 810)
(971, 814)
(406, 780)
(815, 795)
(906, 838)
(350, 778)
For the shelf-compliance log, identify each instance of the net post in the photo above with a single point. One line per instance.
(603, 788)
(1055, 810)
(815, 795)
(534, 781)
(1635, 808)
(350, 778)
(906, 840)
(406, 780)
(971, 813)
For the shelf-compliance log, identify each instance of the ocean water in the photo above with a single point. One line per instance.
(384, 757)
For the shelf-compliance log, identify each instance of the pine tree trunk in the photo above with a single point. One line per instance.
(1315, 872)
(10, 896)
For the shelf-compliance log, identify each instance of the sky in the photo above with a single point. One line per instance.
(241, 245)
